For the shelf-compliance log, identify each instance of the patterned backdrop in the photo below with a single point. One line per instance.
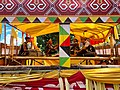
(59, 7)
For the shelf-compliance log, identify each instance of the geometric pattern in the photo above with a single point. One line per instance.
(59, 7)
(64, 47)
(60, 19)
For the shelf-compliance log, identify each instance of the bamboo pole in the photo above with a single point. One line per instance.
(5, 42)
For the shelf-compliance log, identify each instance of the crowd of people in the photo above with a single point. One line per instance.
(84, 48)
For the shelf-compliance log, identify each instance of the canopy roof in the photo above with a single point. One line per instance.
(99, 30)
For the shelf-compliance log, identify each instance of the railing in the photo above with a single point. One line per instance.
(99, 50)
(87, 59)
(100, 58)
(106, 50)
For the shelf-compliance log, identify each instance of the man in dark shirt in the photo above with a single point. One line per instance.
(24, 47)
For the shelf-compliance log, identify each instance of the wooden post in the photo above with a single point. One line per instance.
(116, 50)
(22, 37)
(103, 49)
(0, 39)
(16, 48)
(112, 42)
(0, 49)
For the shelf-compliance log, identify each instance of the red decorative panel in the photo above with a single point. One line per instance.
(59, 7)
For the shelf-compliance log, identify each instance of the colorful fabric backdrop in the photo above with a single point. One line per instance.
(59, 7)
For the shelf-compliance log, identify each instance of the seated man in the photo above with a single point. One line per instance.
(29, 48)
(87, 49)
(24, 47)
(75, 47)
(50, 49)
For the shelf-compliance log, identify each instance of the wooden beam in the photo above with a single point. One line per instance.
(42, 58)
(72, 58)
(25, 69)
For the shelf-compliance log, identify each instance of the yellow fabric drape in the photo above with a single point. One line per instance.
(112, 41)
(13, 33)
(106, 75)
(51, 62)
(89, 29)
(95, 78)
(116, 87)
(102, 76)
(89, 85)
(116, 33)
(61, 83)
(0, 28)
(67, 85)
(95, 85)
(34, 44)
(100, 86)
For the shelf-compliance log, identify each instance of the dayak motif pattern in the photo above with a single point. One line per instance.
(59, 7)
(34, 19)
(64, 48)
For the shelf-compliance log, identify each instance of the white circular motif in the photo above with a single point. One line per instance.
(63, 6)
(8, 5)
(75, 5)
(31, 6)
(42, 5)
(95, 5)
(72, 5)
(104, 6)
